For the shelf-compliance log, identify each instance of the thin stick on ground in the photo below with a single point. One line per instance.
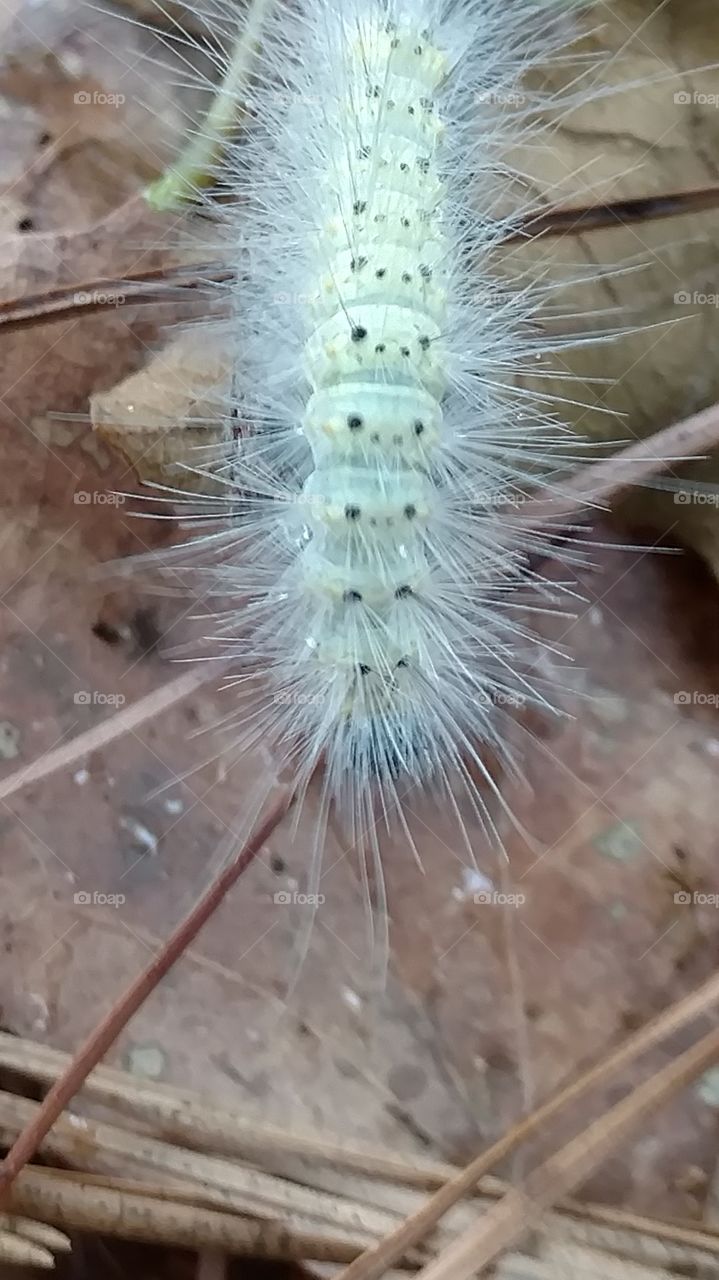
(110, 1027)
(23, 1253)
(506, 1223)
(160, 285)
(375, 1261)
(80, 1203)
(594, 485)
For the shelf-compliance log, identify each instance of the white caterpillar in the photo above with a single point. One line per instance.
(371, 580)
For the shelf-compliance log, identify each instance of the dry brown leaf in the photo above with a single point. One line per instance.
(106, 109)
(166, 417)
(659, 137)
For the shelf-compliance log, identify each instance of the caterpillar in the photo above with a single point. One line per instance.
(375, 587)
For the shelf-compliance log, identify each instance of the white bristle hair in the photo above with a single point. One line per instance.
(376, 591)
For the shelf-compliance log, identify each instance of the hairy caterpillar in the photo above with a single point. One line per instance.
(371, 578)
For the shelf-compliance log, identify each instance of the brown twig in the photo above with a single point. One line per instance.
(77, 1203)
(595, 484)
(505, 1224)
(23, 1253)
(183, 1117)
(160, 285)
(575, 1220)
(615, 213)
(376, 1261)
(227, 1183)
(107, 1031)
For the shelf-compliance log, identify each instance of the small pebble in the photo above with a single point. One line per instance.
(473, 881)
(9, 740)
(146, 1060)
(708, 1088)
(141, 835)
